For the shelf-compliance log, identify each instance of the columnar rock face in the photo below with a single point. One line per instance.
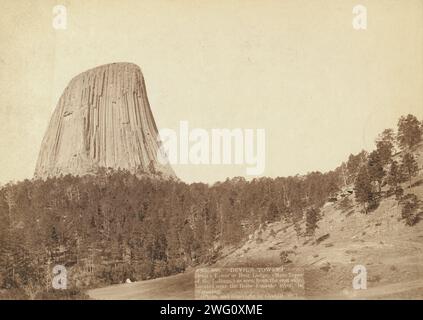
(103, 119)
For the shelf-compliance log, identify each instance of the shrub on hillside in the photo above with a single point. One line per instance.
(409, 212)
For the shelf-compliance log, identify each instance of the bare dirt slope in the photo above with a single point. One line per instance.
(179, 286)
(391, 251)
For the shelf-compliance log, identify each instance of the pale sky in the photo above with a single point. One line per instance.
(296, 68)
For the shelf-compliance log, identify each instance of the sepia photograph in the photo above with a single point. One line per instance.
(212, 150)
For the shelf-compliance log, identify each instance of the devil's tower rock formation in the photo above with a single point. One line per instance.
(103, 119)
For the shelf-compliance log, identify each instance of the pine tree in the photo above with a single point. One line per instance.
(312, 217)
(409, 166)
(395, 176)
(409, 132)
(272, 212)
(363, 188)
(354, 163)
(385, 146)
(375, 168)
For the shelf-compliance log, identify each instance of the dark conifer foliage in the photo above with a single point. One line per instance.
(114, 226)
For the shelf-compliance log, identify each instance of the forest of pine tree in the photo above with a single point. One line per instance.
(114, 226)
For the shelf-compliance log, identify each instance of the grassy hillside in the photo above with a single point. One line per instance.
(380, 240)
